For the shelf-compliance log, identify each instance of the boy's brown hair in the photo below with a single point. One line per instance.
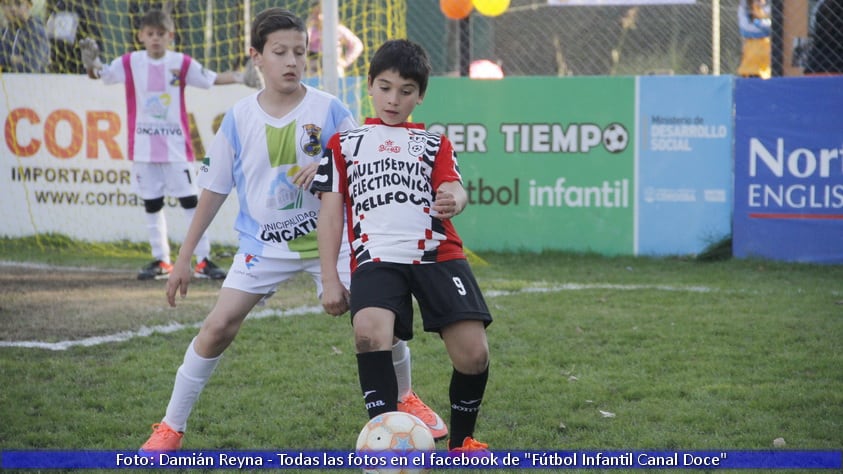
(157, 19)
(271, 20)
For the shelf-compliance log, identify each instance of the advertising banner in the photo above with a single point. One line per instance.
(64, 167)
(684, 172)
(547, 162)
(789, 169)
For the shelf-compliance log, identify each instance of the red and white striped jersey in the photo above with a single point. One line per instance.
(389, 176)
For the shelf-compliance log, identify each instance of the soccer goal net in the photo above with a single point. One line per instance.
(66, 170)
(215, 32)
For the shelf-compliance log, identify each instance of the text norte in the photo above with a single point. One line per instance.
(799, 179)
(557, 193)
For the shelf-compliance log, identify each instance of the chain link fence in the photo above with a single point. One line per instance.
(530, 37)
(543, 38)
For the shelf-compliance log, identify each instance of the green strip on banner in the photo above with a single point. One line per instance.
(548, 162)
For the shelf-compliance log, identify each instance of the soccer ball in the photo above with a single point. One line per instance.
(395, 432)
(615, 138)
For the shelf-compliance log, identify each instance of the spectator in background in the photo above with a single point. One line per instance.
(825, 55)
(755, 26)
(23, 44)
(349, 46)
(68, 22)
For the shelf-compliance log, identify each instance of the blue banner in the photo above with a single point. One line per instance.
(789, 169)
(431, 459)
(684, 163)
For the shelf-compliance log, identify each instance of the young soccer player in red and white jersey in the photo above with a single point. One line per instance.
(398, 186)
(160, 146)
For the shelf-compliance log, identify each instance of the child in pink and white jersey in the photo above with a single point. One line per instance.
(160, 146)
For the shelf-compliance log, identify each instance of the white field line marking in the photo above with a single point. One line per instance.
(595, 286)
(47, 266)
(148, 331)
(304, 310)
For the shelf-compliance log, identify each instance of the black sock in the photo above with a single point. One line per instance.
(377, 382)
(466, 394)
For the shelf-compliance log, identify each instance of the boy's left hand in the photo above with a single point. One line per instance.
(305, 176)
(445, 206)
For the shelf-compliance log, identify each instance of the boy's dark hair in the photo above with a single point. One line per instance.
(407, 58)
(157, 19)
(271, 20)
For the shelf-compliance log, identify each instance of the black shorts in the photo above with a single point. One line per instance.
(446, 292)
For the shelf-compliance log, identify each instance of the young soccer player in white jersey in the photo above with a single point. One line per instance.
(160, 146)
(398, 186)
(268, 147)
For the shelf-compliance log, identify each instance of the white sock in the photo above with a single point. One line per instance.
(403, 368)
(190, 380)
(203, 247)
(156, 225)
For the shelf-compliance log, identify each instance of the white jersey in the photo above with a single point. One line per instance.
(157, 119)
(259, 154)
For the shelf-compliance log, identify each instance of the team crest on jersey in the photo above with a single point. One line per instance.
(389, 146)
(416, 147)
(157, 105)
(283, 193)
(251, 260)
(175, 80)
(311, 140)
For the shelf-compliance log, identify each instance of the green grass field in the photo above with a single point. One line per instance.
(588, 353)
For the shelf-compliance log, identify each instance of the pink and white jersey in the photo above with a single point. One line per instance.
(157, 123)
(389, 176)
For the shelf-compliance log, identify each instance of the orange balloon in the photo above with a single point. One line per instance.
(456, 9)
(491, 7)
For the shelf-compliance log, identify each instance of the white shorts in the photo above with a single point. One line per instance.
(155, 180)
(262, 275)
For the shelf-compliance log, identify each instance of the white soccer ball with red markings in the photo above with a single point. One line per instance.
(395, 432)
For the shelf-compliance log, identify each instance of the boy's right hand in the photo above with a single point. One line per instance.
(178, 282)
(335, 298)
(90, 55)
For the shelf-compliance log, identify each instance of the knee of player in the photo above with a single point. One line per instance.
(364, 343)
(220, 330)
(372, 341)
(153, 205)
(471, 358)
(477, 361)
(189, 202)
